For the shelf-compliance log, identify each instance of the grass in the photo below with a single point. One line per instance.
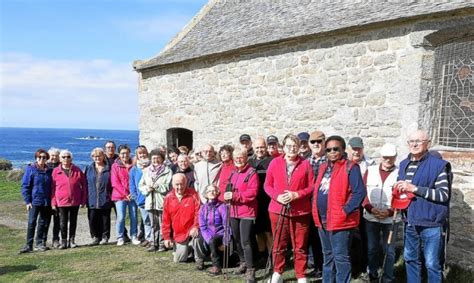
(109, 263)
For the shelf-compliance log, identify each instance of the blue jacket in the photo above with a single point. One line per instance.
(99, 191)
(36, 186)
(421, 211)
(135, 176)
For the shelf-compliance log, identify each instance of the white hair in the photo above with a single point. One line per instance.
(97, 149)
(65, 151)
(53, 150)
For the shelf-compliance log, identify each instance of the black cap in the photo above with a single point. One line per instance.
(303, 136)
(272, 139)
(244, 137)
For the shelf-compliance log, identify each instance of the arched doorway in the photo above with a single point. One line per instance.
(179, 136)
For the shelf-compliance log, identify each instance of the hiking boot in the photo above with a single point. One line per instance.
(72, 243)
(63, 244)
(25, 249)
(199, 264)
(104, 241)
(162, 248)
(250, 275)
(241, 270)
(152, 249)
(214, 271)
(145, 243)
(41, 248)
(56, 244)
(95, 241)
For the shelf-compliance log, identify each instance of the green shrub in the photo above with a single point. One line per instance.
(5, 164)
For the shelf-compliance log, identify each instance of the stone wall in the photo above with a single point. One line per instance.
(369, 83)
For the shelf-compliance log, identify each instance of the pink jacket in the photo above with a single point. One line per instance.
(119, 176)
(301, 181)
(68, 191)
(244, 196)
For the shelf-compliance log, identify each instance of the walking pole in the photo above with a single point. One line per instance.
(155, 219)
(278, 231)
(389, 242)
(225, 265)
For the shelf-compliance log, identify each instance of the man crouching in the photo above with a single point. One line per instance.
(180, 215)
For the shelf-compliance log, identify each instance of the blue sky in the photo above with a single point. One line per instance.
(68, 64)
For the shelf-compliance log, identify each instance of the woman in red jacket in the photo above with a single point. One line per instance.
(68, 192)
(289, 185)
(243, 210)
(225, 153)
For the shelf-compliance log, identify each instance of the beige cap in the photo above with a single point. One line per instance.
(317, 135)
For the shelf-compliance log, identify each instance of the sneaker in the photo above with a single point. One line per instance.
(135, 241)
(26, 249)
(95, 241)
(104, 241)
(199, 264)
(72, 243)
(241, 270)
(56, 244)
(276, 278)
(152, 249)
(214, 271)
(63, 244)
(41, 248)
(120, 242)
(145, 243)
(302, 280)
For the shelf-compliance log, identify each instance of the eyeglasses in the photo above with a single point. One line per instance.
(42, 157)
(66, 157)
(96, 156)
(413, 142)
(291, 146)
(110, 146)
(335, 149)
(315, 141)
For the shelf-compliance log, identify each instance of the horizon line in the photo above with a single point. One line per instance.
(59, 128)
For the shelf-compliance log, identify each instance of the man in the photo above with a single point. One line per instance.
(305, 151)
(338, 194)
(206, 171)
(52, 163)
(318, 157)
(184, 166)
(109, 148)
(181, 222)
(263, 229)
(272, 146)
(246, 143)
(379, 181)
(356, 154)
(427, 178)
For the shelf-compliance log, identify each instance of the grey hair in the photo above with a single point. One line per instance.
(53, 150)
(239, 150)
(97, 149)
(65, 151)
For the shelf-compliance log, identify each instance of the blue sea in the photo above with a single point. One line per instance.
(20, 144)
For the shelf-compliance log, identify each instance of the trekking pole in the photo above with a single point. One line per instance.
(155, 219)
(225, 264)
(278, 230)
(389, 242)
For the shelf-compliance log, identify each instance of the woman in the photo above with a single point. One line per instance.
(36, 192)
(142, 161)
(99, 201)
(243, 211)
(184, 166)
(121, 195)
(155, 184)
(225, 153)
(52, 163)
(69, 191)
(289, 185)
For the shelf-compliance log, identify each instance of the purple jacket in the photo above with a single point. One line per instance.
(212, 219)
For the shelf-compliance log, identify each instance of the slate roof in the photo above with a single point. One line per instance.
(227, 25)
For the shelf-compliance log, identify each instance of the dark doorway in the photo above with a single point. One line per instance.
(179, 136)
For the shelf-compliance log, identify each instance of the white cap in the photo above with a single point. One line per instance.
(388, 149)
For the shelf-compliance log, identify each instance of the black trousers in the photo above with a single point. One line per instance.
(214, 245)
(99, 222)
(244, 235)
(68, 214)
(40, 215)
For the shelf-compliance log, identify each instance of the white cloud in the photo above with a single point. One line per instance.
(40, 92)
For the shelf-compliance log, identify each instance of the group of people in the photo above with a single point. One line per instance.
(258, 201)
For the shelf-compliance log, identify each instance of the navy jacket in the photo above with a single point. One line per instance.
(99, 190)
(421, 211)
(36, 186)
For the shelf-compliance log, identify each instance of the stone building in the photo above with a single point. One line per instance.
(375, 69)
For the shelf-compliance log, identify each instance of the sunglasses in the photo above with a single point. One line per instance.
(315, 141)
(335, 149)
(42, 157)
(65, 157)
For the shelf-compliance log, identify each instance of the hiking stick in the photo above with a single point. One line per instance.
(278, 230)
(389, 242)
(225, 264)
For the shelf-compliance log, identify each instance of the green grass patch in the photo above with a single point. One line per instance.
(9, 191)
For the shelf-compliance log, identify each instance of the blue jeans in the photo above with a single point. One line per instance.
(431, 239)
(374, 231)
(337, 261)
(147, 224)
(44, 213)
(121, 207)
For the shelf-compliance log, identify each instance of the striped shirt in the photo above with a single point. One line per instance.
(440, 192)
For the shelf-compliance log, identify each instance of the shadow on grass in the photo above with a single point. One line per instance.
(16, 268)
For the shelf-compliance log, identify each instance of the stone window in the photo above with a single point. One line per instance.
(454, 92)
(179, 136)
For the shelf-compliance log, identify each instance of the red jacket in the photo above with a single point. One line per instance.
(244, 194)
(179, 217)
(301, 181)
(224, 175)
(68, 191)
(339, 195)
(119, 177)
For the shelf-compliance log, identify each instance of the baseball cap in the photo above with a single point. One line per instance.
(245, 137)
(356, 142)
(316, 135)
(303, 136)
(401, 200)
(388, 149)
(272, 139)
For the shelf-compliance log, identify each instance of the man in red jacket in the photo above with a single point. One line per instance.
(181, 215)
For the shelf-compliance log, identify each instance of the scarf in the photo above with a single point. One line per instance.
(143, 163)
(155, 171)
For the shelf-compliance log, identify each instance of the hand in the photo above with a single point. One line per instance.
(375, 212)
(29, 206)
(129, 197)
(83, 205)
(221, 248)
(53, 208)
(194, 232)
(168, 244)
(151, 189)
(284, 198)
(405, 187)
(228, 196)
(292, 195)
(384, 213)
